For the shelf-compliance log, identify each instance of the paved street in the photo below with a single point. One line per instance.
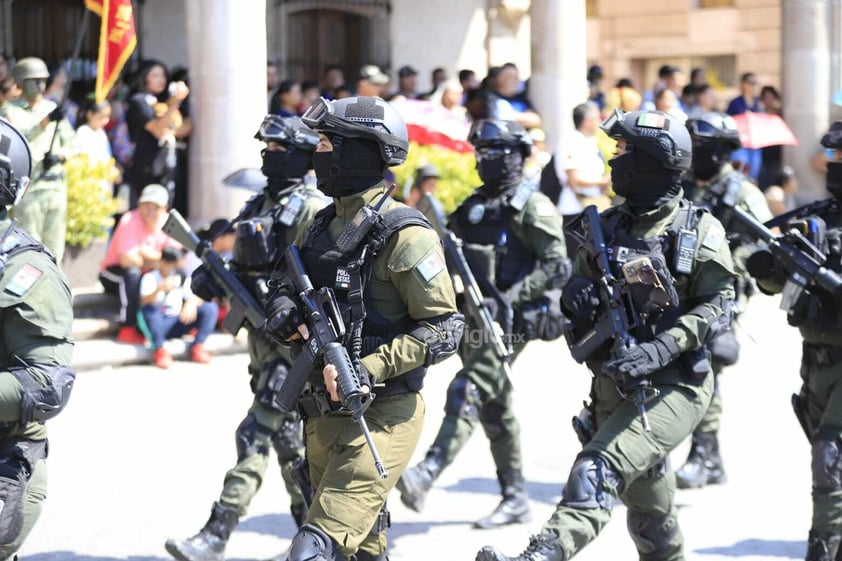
(140, 454)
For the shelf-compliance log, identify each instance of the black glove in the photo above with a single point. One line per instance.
(579, 299)
(49, 161)
(282, 318)
(541, 318)
(58, 113)
(761, 264)
(641, 360)
(203, 285)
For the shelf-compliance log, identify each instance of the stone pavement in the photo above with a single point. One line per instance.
(140, 454)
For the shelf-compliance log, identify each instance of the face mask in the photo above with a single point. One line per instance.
(645, 189)
(834, 179)
(706, 161)
(503, 170)
(359, 167)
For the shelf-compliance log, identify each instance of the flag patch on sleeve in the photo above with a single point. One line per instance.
(430, 266)
(23, 280)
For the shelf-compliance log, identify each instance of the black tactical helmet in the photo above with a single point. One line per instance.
(30, 68)
(714, 127)
(833, 138)
(369, 118)
(660, 135)
(487, 133)
(287, 131)
(15, 164)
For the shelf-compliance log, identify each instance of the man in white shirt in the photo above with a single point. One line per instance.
(582, 163)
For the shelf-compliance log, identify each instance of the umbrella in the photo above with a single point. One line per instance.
(758, 130)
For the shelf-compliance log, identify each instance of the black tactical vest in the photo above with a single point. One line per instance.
(491, 248)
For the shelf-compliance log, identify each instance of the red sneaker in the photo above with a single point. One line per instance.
(162, 358)
(199, 354)
(130, 335)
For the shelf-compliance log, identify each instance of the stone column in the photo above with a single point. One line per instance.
(805, 29)
(227, 44)
(559, 63)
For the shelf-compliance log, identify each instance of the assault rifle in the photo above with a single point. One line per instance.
(817, 208)
(323, 319)
(476, 308)
(618, 316)
(243, 305)
(803, 261)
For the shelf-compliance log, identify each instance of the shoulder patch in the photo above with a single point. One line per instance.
(714, 237)
(431, 265)
(24, 279)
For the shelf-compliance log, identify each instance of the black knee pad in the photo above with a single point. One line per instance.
(366, 556)
(491, 417)
(827, 461)
(247, 438)
(458, 403)
(650, 533)
(288, 440)
(587, 484)
(311, 544)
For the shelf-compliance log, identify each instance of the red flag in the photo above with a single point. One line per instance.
(117, 40)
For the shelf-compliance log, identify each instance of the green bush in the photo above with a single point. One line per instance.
(90, 205)
(458, 172)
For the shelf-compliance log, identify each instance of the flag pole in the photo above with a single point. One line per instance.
(77, 48)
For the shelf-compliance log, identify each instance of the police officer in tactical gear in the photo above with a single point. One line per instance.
(817, 315)
(397, 301)
(515, 248)
(671, 263)
(36, 350)
(268, 222)
(715, 185)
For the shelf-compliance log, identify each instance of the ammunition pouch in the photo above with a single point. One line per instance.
(799, 407)
(695, 365)
(541, 318)
(40, 403)
(383, 521)
(257, 246)
(17, 463)
(725, 348)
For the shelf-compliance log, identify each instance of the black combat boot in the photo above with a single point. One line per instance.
(543, 547)
(416, 481)
(514, 507)
(209, 543)
(704, 464)
(822, 546)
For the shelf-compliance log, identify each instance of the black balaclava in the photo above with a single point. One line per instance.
(284, 169)
(642, 180)
(351, 167)
(500, 174)
(708, 159)
(834, 179)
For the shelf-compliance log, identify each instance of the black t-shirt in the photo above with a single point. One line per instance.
(148, 156)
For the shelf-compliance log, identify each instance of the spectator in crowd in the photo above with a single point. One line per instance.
(468, 80)
(43, 211)
(670, 78)
(504, 83)
(407, 83)
(56, 84)
(780, 195)
(667, 102)
(698, 77)
(179, 189)
(622, 96)
(9, 91)
(152, 125)
(334, 78)
(5, 66)
(704, 100)
(535, 163)
(750, 159)
(371, 82)
(271, 82)
(93, 141)
(596, 95)
(771, 157)
(582, 161)
(437, 78)
(309, 95)
(134, 249)
(426, 181)
(170, 310)
(449, 96)
(478, 103)
(344, 91)
(287, 99)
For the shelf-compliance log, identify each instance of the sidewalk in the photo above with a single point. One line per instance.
(95, 325)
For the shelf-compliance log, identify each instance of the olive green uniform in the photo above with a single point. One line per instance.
(37, 315)
(43, 210)
(265, 427)
(739, 192)
(646, 485)
(482, 391)
(408, 283)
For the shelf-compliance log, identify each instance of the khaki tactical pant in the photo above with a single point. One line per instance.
(260, 432)
(713, 416)
(42, 212)
(636, 457)
(821, 394)
(349, 491)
